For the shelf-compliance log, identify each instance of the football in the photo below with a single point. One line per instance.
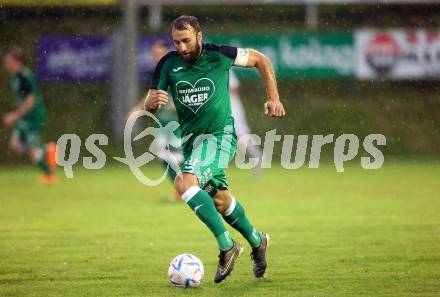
(185, 271)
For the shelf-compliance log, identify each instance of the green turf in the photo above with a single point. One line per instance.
(102, 233)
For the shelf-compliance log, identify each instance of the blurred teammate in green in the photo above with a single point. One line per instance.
(168, 153)
(29, 118)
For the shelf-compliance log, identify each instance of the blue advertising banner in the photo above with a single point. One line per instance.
(89, 58)
(66, 58)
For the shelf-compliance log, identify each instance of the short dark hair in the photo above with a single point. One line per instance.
(186, 22)
(16, 53)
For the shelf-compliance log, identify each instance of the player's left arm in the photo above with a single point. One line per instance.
(253, 58)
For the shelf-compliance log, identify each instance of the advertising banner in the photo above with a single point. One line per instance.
(302, 55)
(320, 55)
(67, 58)
(398, 54)
(87, 58)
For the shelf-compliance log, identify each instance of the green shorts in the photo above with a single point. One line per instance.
(207, 157)
(29, 134)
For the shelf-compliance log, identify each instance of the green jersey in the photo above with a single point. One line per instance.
(24, 84)
(200, 88)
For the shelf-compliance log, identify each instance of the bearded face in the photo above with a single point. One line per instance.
(187, 43)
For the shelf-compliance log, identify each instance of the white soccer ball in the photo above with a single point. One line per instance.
(186, 271)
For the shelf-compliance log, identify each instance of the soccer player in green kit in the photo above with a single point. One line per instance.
(29, 118)
(197, 75)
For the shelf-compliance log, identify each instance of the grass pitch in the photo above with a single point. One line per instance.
(102, 233)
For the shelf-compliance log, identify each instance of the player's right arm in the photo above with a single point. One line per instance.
(139, 106)
(157, 96)
(155, 99)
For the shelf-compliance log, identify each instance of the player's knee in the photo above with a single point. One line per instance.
(184, 182)
(33, 154)
(222, 201)
(15, 147)
(220, 205)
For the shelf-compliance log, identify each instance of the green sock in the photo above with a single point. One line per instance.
(236, 217)
(202, 204)
(41, 161)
